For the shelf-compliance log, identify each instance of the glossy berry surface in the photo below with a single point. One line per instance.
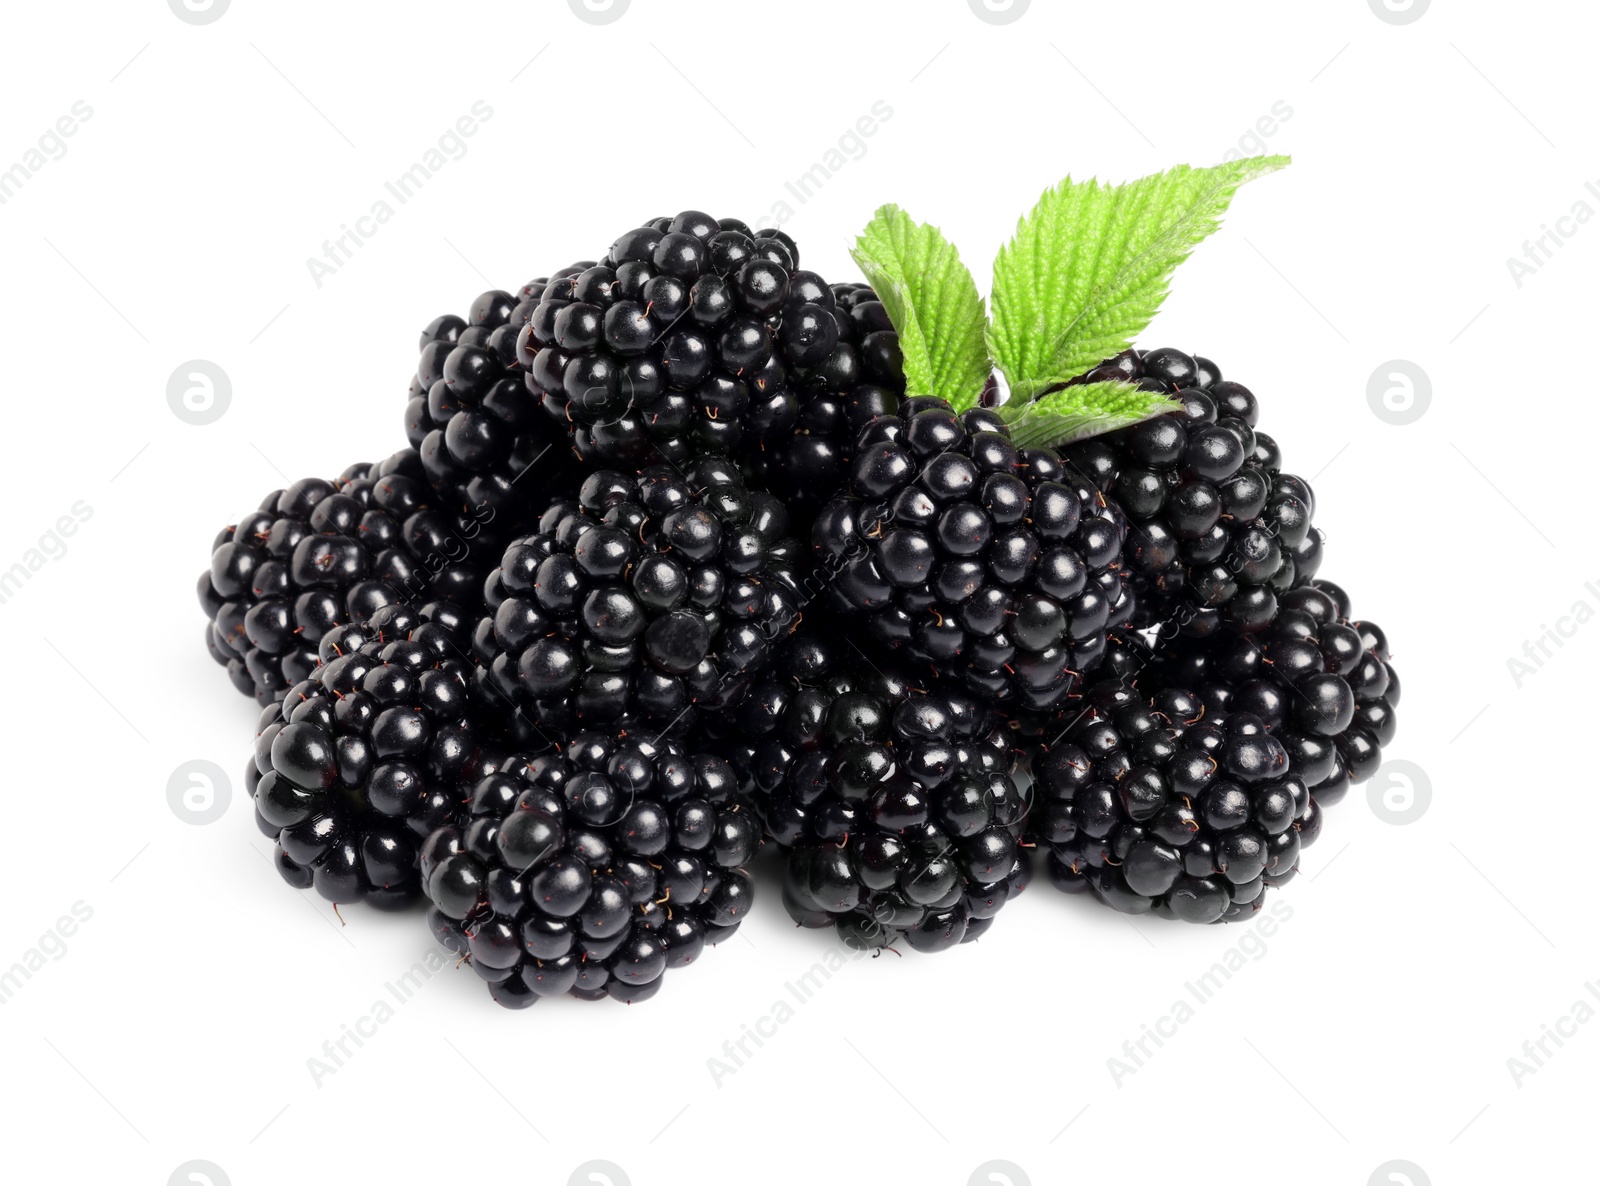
(1321, 682)
(364, 759)
(594, 871)
(1157, 805)
(967, 556)
(484, 444)
(894, 805)
(1216, 529)
(654, 597)
(318, 555)
(695, 336)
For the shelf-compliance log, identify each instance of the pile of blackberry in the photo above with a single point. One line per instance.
(675, 568)
(1234, 633)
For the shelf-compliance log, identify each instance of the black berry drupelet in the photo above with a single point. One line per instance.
(362, 761)
(648, 597)
(894, 805)
(1216, 530)
(483, 442)
(1157, 805)
(320, 554)
(492, 322)
(1321, 683)
(696, 336)
(969, 556)
(593, 871)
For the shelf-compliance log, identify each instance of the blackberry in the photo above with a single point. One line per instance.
(482, 440)
(808, 668)
(492, 321)
(648, 597)
(894, 805)
(969, 555)
(1156, 804)
(362, 761)
(1216, 529)
(1319, 681)
(320, 554)
(593, 871)
(695, 336)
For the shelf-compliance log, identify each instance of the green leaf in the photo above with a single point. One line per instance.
(933, 302)
(1089, 266)
(1086, 410)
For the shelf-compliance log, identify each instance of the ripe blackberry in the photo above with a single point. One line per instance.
(362, 761)
(594, 870)
(481, 438)
(894, 805)
(696, 336)
(647, 597)
(1320, 682)
(1216, 529)
(968, 555)
(1157, 805)
(492, 321)
(320, 554)
(808, 668)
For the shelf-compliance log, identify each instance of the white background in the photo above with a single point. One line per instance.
(1374, 1024)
